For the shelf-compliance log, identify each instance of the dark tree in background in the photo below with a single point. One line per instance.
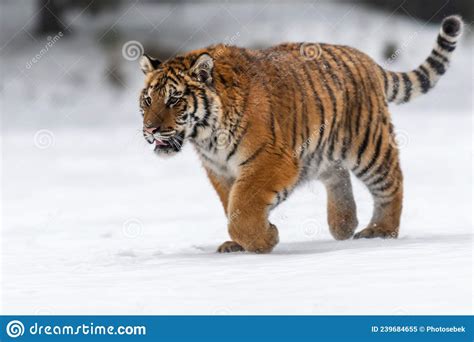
(49, 18)
(435, 10)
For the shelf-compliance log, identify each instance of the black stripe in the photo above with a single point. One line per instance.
(348, 71)
(391, 193)
(203, 122)
(408, 87)
(340, 63)
(192, 115)
(207, 113)
(359, 102)
(385, 79)
(303, 122)
(436, 65)
(374, 158)
(332, 141)
(395, 86)
(424, 80)
(272, 113)
(386, 168)
(360, 94)
(221, 78)
(272, 127)
(278, 199)
(317, 100)
(237, 142)
(195, 105)
(293, 139)
(254, 155)
(379, 121)
(328, 67)
(172, 81)
(173, 72)
(380, 178)
(305, 135)
(384, 188)
(364, 145)
(445, 44)
(242, 111)
(333, 99)
(370, 110)
(293, 113)
(440, 56)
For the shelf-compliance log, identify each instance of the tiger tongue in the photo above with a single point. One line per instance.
(160, 143)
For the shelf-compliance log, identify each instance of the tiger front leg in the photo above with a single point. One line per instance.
(222, 187)
(254, 192)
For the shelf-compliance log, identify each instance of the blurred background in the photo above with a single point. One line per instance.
(89, 215)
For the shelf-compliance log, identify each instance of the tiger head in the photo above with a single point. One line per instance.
(179, 101)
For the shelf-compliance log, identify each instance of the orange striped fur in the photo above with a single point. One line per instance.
(266, 121)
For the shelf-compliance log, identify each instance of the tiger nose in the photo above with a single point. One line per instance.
(150, 130)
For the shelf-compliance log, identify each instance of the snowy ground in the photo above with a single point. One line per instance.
(94, 223)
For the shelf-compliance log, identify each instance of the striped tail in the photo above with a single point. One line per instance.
(401, 87)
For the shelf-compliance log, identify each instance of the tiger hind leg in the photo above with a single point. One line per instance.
(342, 214)
(386, 187)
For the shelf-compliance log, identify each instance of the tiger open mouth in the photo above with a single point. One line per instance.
(170, 144)
(161, 143)
(167, 146)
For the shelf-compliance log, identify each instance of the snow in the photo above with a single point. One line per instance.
(94, 223)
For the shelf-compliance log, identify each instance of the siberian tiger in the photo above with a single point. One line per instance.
(265, 121)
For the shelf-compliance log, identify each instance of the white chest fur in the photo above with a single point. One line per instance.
(216, 160)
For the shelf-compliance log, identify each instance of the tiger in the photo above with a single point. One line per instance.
(265, 121)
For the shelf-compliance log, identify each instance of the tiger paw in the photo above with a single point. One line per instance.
(376, 232)
(230, 247)
(264, 242)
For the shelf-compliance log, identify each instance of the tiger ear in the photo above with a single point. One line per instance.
(148, 64)
(202, 68)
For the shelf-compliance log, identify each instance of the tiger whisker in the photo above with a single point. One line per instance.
(178, 143)
(173, 143)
